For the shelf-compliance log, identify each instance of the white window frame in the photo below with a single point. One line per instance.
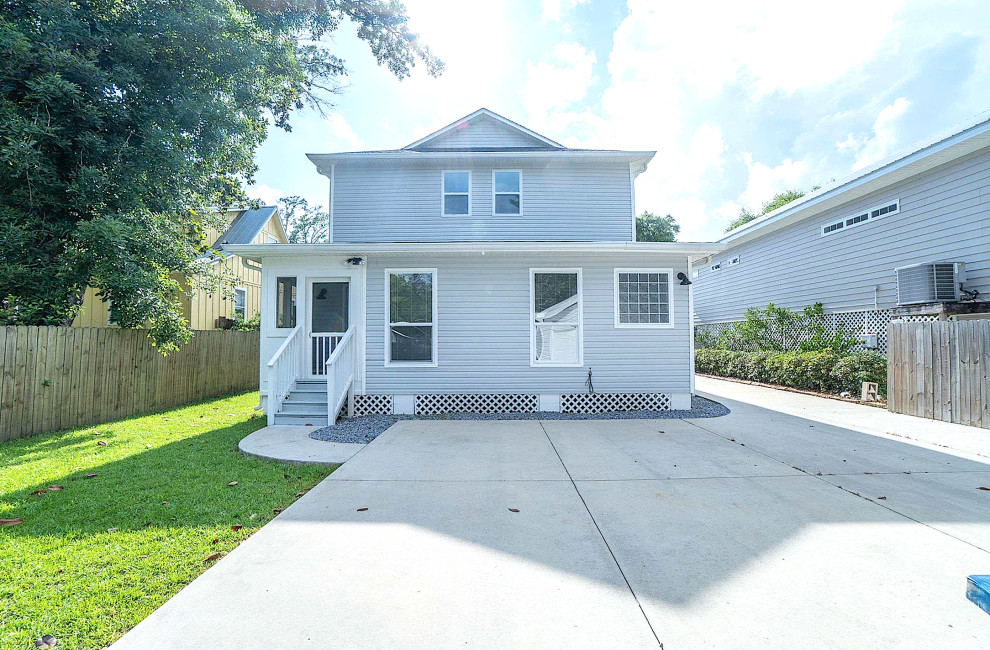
(533, 363)
(234, 304)
(388, 318)
(734, 260)
(300, 283)
(494, 193)
(670, 299)
(869, 217)
(444, 193)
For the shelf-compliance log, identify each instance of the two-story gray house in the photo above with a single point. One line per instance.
(906, 238)
(483, 267)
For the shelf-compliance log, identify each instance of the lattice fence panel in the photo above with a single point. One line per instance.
(476, 403)
(605, 402)
(372, 405)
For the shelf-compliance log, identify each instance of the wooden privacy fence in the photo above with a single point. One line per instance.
(59, 377)
(940, 370)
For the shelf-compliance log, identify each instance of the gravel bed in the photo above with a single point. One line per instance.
(366, 428)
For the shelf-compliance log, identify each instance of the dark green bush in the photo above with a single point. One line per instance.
(823, 371)
(778, 329)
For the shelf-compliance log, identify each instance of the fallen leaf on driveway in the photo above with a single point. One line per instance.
(236, 527)
(92, 475)
(11, 522)
(882, 498)
(513, 509)
(232, 484)
(211, 557)
(361, 509)
(987, 489)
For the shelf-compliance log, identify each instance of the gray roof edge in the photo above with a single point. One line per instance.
(246, 226)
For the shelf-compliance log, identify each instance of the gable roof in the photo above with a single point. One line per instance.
(539, 141)
(943, 147)
(246, 226)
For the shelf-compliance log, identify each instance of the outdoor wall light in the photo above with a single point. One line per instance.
(355, 261)
(683, 278)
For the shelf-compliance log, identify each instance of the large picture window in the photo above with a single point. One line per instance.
(642, 298)
(285, 302)
(508, 192)
(555, 317)
(457, 193)
(410, 311)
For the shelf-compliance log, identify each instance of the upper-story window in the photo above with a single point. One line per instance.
(456, 193)
(508, 192)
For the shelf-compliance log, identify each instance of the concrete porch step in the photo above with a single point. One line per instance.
(284, 419)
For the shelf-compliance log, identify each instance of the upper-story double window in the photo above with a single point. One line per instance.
(506, 193)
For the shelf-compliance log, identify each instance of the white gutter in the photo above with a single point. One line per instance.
(258, 251)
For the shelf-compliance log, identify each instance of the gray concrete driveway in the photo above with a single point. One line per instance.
(761, 529)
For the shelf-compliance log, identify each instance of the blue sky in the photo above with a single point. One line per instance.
(740, 99)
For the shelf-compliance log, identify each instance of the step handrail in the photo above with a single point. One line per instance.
(283, 371)
(340, 371)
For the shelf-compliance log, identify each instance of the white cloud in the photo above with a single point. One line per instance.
(265, 194)
(765, 181)
(884, 140)
(554, 85)
(555, 10)
(342, 136)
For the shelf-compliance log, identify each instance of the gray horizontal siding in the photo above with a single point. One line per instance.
(944, 216)
(562, 201)
(484, 339)
(482, 132)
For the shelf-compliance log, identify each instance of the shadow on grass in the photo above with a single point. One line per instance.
(179, 484)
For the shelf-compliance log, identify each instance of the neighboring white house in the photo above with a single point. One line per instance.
(908, 238)
(483, 267)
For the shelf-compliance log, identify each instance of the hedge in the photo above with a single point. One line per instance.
(825, 371)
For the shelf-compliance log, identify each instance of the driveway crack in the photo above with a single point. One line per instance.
(602, 535)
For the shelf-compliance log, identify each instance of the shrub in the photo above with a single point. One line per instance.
(823, 371)
(777, 329)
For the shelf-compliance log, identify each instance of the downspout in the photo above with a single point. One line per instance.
(332, 188)
(690, 263)
(254, 267)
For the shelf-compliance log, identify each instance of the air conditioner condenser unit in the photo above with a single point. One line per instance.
(930, 282)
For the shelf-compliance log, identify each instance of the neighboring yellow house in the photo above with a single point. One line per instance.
(204, 311)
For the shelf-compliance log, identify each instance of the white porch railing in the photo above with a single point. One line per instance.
(322, 345)
(340, 372)
(283, 370)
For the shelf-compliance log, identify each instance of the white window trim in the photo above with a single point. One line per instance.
(444, 192)
(533, 363)
(869, 219)
(494, 193)
(670, 299)
(283, 331)
(234, 304)
(734, 260)
(388, 324)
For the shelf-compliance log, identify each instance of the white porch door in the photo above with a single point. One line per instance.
(328, 322)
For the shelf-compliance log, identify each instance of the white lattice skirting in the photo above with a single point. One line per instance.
(372, 405)
(605, 402)
(476, 403)
(873, 321)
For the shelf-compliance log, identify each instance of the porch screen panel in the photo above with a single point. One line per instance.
(411, 317)
(557, 318)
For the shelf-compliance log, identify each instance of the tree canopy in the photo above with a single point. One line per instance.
(778, 200)
(652, 227)
(121, 121)
(304, 223)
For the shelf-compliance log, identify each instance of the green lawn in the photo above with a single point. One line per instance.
(92, 559)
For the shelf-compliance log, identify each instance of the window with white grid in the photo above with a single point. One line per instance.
(642, 298)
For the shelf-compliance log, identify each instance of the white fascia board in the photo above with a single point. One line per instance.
(452, 249)
(954, 143)
(323, 161)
